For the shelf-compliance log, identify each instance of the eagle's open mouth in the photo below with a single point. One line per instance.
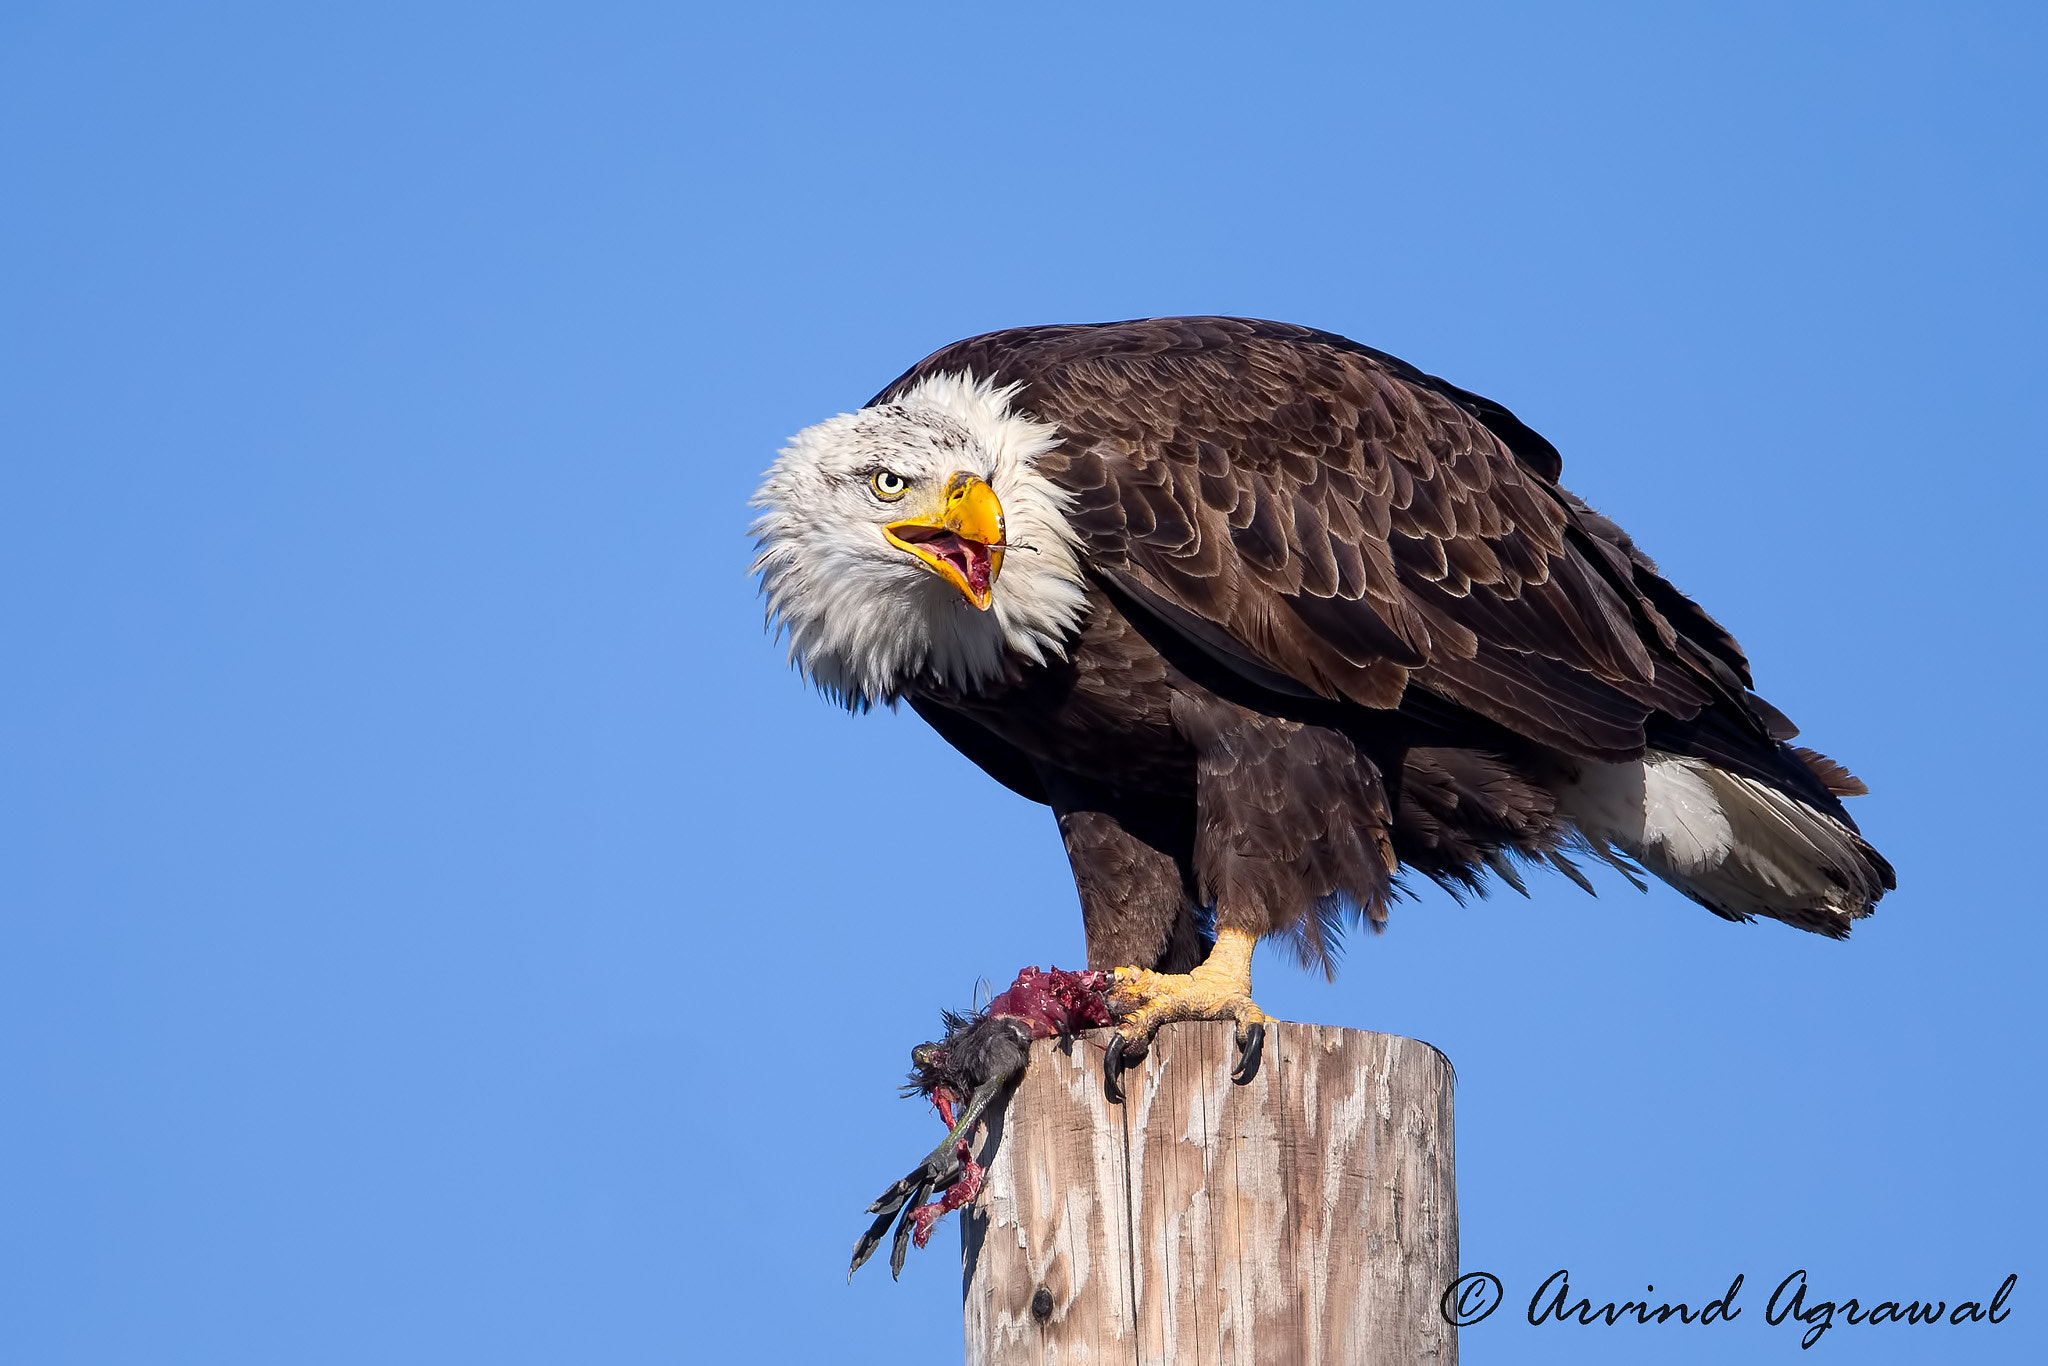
(960, 540)
(972, 560)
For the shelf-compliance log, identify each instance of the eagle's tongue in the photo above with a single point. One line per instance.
(973, 559)
(976, 568)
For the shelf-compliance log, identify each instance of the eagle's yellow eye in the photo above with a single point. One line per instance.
(889, 484)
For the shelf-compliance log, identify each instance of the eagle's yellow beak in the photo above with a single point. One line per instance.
(962, 541)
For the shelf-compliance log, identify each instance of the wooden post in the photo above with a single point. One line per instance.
(1306, 1219)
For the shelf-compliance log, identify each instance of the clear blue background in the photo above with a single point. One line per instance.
(436, 926)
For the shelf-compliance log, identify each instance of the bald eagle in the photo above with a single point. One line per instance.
(1266, 617)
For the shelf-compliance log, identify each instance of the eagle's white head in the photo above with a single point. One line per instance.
(916, 541)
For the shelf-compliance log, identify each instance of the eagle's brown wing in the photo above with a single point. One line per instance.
(1326, 518)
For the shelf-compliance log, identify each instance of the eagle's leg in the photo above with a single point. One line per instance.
(940, 1169)
(1219, 989)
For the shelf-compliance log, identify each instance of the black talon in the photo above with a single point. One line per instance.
(903, 1225)
(872, 1239)
(1250, 1049)
(1113, 1071)
(906, 1195)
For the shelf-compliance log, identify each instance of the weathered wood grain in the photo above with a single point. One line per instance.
(1307, 1219)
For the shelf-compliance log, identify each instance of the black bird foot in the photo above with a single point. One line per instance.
(941, 1170)
(936, 1173)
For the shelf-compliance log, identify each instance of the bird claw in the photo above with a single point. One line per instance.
(1122, 1052)
(1251, 1046)
(901, 1247)
(942, 1169)
(935, 1173)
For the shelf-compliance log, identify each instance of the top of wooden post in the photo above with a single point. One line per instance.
(1308, 1217)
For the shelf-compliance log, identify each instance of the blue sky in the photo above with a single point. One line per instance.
(434, 926)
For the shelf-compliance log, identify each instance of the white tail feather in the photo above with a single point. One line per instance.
(1733, 844)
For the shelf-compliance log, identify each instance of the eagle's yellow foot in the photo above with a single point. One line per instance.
(1220, 989)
